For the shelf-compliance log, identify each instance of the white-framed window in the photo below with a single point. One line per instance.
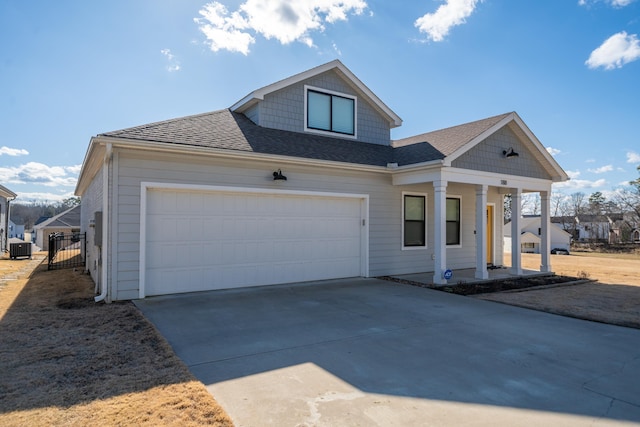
(414, 221)
(329, 112)
(454, 221)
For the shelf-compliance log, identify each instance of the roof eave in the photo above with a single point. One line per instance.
(232, 154)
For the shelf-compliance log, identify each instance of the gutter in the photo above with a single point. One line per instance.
(104, 250)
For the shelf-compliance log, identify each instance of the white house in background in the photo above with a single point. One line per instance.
(16, 231)
(300, 181)
(592, 228)
(531, 236)
(6, 196)
(67, 222)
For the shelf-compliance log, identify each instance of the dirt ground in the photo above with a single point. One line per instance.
(65, 360)
(613, 297)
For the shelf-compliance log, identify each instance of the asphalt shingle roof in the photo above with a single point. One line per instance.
(228, 130)
(448, 140)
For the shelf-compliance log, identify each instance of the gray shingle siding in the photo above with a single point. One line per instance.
(487, 156)
(284, 109)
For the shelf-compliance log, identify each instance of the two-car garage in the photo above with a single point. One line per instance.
(196, 238)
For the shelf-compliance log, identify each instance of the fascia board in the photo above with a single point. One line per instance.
(259, 94)
(468, 176)
(90, 165)
(562, 175)
(6, 193)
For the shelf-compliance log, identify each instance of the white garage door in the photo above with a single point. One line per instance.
(198, 240)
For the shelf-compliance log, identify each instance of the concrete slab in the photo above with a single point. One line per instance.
(369, 352)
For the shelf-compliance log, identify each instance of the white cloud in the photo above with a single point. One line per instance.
(174, 64)
(633, 157)
(13, 151)
(26, 198)
(573, 174)
(448, 15)
(40, 174)
(613, 3)
(580, 184)
(602, 169)
(283, 20)
(616, 51)
(553, 151)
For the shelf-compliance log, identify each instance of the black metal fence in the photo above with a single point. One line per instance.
(67, 250)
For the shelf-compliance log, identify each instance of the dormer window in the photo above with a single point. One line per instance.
(330, 112)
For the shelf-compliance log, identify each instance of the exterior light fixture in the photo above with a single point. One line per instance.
(277, 176)
(510, 153)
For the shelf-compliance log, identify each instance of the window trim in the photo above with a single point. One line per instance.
(308, 88)
(426, 244)
(459, 244)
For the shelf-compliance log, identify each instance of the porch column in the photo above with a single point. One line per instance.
(516, 249)
(481, 232)
(545, 238)
(439, 231)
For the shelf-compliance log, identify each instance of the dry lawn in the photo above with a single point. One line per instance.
(65, 360)
(613, 298)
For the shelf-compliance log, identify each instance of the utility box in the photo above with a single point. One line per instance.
(20, 250)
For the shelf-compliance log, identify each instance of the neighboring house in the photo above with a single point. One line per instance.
(592, 228)
(6, 196)
(201, 202)
(530, 236)
(67, 222)
(16, 231)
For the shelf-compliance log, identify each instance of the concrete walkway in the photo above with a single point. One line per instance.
(365, 352)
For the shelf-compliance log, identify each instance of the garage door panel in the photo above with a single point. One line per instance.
(227, 240)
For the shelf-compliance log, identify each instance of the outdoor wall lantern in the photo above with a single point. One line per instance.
(510, 153)
(277, 176)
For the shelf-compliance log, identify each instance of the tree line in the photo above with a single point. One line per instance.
(28, 214)
(622, 207)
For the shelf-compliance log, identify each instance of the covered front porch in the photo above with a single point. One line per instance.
(468, 276)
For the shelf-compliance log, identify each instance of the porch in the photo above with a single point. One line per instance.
(468, 275)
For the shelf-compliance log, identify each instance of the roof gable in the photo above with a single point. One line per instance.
(258, 95)
(68, 218)
(457, 141)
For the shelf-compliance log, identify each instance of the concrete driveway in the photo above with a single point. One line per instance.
(365, 352)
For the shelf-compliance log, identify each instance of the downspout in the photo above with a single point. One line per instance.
(104, 250)
(6, 224)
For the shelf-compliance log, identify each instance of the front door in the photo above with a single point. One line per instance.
(489, 234)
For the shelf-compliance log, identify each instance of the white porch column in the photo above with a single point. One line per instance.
(516, 255)
(439, 231)
(481, 232)
(545, 238)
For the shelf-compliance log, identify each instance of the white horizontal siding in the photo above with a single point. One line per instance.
(385, 207)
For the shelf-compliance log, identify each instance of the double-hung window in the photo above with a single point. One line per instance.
(453, 221)
(330, 112)
(414, 221)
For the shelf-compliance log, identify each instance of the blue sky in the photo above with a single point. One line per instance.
(72, 69)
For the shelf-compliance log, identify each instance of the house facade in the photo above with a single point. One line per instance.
(6, 196)
(530, 236)
(300, 181)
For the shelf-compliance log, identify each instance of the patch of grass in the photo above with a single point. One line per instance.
(69, 361)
